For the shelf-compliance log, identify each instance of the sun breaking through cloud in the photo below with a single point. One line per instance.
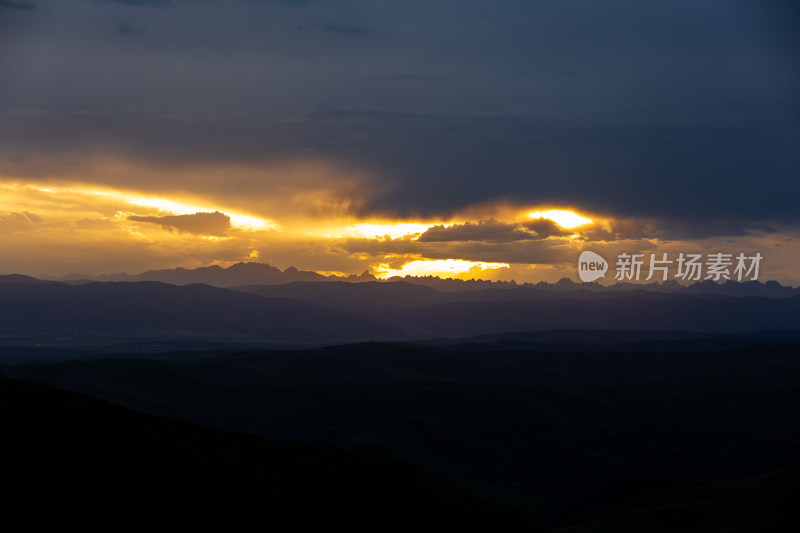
(562, 217)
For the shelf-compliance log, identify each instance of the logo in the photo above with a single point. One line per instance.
(687, 267)
(591, 266)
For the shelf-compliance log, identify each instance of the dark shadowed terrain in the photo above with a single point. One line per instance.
(641, 435)
(552, 407)
(70, 459)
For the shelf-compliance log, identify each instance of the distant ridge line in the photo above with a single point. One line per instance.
(251, 273)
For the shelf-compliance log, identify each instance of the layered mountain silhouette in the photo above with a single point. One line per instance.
(238, 274)
(58, 313)
(553, 407)
(113, 311)
(242, 274)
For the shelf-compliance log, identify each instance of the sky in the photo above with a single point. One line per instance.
(456, 138)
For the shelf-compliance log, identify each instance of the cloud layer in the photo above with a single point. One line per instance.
(215, 223)
(672, 122)
(667, 109)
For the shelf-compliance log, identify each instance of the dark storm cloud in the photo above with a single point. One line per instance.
(125, 28)
(140, 3)
(18, 4)
(544, 228)
(672, 229)
(701, 229)
(485, 230)
(405, 77)
(660, 109)
(493, 231)
(528, 252)
(290, 3)
(334, 28)
(215, 223)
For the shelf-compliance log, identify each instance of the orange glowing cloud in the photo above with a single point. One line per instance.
(443, 268)
(57, 229)
(563, 217)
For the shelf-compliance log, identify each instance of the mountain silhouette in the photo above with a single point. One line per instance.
(252, 274)
(238, 274)
(112, 311)
(336, 312)
(19, 278)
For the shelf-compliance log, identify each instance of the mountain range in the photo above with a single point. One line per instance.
(251, 273)
(494, 406)
(49, 313)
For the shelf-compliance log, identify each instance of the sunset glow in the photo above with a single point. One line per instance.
(76, 222)
(565, 219)
(92, 197)
(443, 268)
(391, 230)
(178, 208)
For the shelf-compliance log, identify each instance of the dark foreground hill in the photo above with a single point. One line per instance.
(77, 463)
(689, 435)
